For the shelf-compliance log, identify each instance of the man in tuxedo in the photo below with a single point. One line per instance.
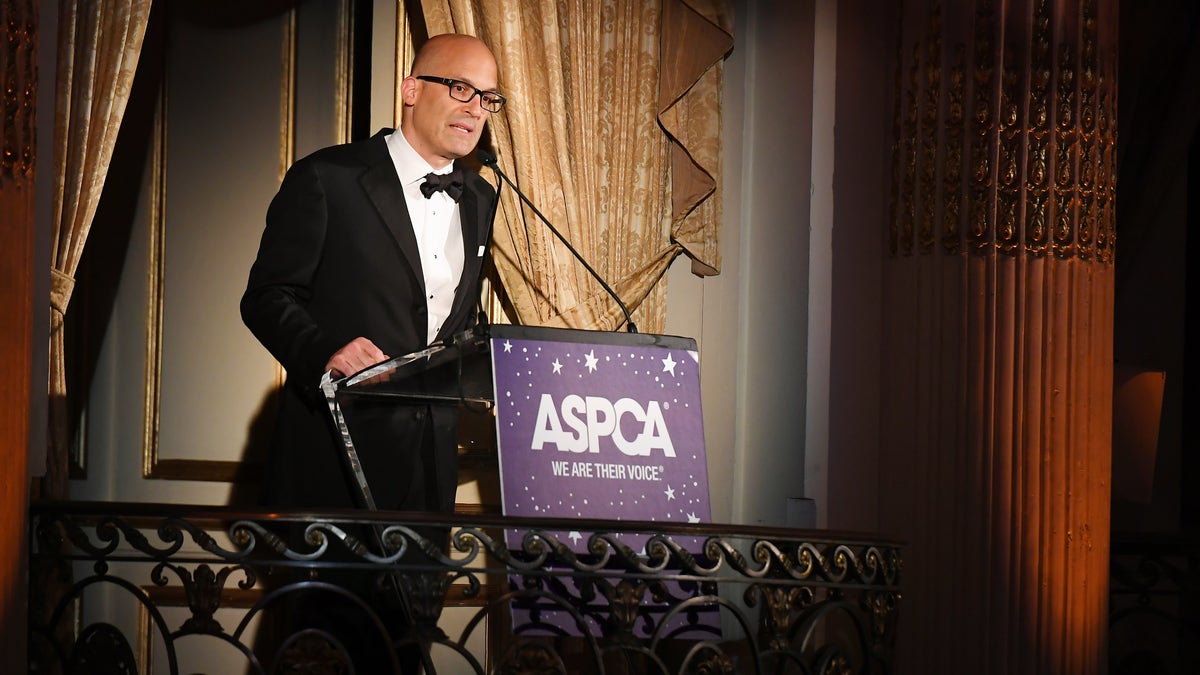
(357, 265)
(373, 249)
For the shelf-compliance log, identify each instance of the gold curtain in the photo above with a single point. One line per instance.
(999, 321)
(98, 47)
(613, 130)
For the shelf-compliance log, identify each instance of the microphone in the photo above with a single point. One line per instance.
(489, 160)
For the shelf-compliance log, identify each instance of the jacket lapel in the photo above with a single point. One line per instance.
(382, 186)
(474, 221)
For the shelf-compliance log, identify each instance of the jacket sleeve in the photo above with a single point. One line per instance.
(275, 304)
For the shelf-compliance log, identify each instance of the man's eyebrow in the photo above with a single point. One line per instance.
(494, 90)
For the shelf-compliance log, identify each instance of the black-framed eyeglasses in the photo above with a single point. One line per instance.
(461, 91)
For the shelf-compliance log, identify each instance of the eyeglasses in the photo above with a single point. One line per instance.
(461, 91)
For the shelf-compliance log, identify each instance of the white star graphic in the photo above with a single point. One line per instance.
(507, 346)
(557, 367)
(575, 537)
(692, 518)
(669, 364)
(591, 360)
(670, 493)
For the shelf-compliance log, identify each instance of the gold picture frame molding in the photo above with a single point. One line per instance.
(154, 466)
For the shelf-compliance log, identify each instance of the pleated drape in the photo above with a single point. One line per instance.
(999, 334)
(613, 130)
(98, 47)
(18, 168)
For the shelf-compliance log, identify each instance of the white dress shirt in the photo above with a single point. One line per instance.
(438, 228)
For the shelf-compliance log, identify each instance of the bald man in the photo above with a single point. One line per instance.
(373, 249)
(361, 260)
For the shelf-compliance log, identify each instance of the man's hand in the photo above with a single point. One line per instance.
(355, 356)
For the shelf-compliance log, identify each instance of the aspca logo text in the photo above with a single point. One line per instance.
(580, 423)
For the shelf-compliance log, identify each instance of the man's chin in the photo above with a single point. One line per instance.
(461, 147)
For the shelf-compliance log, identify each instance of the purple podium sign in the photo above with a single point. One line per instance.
(599, 431)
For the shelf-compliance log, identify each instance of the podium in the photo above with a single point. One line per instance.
(596, 426)
(461, 370)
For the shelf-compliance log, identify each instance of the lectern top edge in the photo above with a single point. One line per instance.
(476, 339)
(587, 336)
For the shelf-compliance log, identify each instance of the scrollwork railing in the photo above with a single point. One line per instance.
(638, 597)
(1153, 620)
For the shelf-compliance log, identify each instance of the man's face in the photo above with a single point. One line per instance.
(440, 128)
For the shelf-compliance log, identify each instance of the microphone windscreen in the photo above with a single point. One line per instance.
(485, 157)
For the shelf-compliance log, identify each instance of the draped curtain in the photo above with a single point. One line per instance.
(613, 130)
(98, 47)
(999, 322)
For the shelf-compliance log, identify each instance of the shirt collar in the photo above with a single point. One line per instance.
(410, 166)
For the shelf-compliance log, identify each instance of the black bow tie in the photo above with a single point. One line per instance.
(451, 183)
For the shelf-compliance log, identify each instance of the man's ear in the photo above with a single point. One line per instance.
(408, 90)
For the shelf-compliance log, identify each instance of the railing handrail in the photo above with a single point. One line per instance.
(222, 513)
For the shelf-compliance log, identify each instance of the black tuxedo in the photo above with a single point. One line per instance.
(339, 260)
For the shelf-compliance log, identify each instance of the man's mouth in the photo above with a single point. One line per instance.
(462, 128)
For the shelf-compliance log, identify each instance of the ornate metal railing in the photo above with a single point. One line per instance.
(1154, 603)
(142, 587)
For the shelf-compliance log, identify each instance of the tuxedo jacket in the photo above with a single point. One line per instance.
(338, 260)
